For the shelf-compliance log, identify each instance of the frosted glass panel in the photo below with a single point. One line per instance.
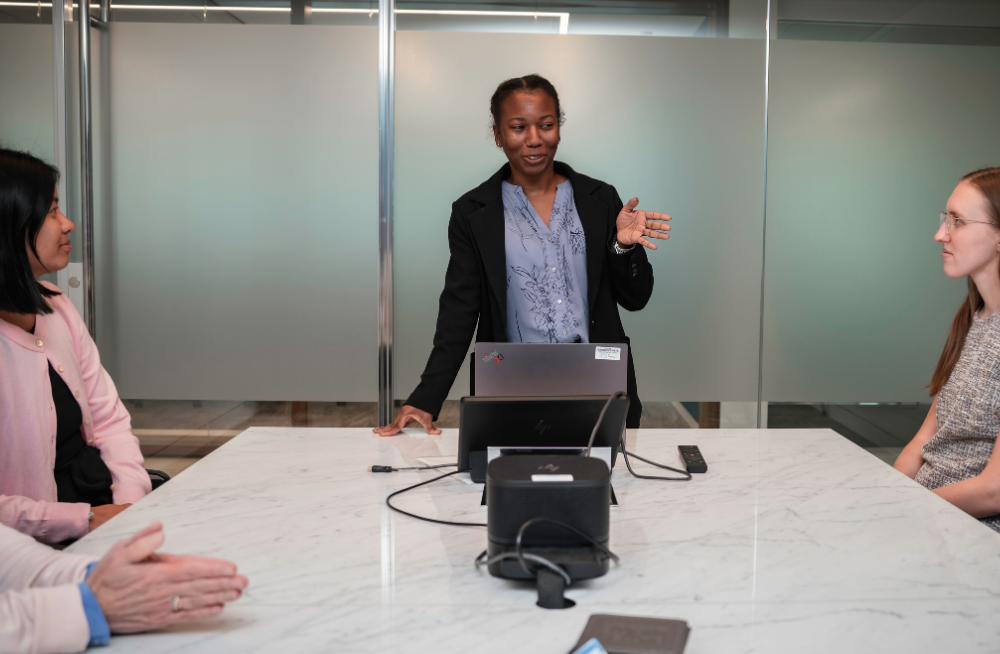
(866, 143)
(953, 22)
(26, 88)
(677, 122)
(244, 228)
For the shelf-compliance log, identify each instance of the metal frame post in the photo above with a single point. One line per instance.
(763, 237)
(60, 15)
(301, 12)
(386, 57)
(86, 172)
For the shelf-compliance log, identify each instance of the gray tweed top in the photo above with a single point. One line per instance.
(968, 413)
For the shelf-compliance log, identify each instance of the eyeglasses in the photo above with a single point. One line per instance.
(953, 221)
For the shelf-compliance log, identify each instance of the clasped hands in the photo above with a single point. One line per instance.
(139, 589)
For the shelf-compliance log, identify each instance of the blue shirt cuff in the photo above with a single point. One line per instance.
(100, 633)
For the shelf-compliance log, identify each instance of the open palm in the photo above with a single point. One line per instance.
(638, 226)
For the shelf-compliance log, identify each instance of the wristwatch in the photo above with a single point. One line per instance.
(620, 250)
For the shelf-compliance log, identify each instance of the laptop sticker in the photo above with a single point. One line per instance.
(608, 353)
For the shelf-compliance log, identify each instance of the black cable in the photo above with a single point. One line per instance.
(540, 560)
(520, 533)
(391, 469)
(626, 454)
(600, 418)
(420, 517)
(523, 556)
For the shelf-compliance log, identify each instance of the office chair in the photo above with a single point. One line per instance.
(158, 478)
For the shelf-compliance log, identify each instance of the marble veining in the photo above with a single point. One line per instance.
(796, 540)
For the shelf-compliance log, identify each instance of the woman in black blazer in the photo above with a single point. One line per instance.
(526, 117)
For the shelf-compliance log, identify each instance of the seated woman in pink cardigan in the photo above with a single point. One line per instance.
(68, 459)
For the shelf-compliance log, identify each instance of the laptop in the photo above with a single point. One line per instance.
(549, 369)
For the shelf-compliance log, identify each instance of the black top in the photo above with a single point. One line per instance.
(475, 287)
(81, 474)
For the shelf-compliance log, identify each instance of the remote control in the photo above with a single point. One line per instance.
(692, 458)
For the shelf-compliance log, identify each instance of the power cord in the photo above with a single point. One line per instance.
(627, 454)
(481, 560)
(534, 521)
(523, 556)
(388, 502)
(600, 418)
(391, 469)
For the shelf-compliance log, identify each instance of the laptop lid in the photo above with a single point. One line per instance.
(549, 369)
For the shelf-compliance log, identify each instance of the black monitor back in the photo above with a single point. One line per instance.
(537, 422)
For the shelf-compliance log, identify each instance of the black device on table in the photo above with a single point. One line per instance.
(548, 516)
(551, 507)
(693, 460)
(526, 422)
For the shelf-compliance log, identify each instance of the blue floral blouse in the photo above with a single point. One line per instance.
(546, 270)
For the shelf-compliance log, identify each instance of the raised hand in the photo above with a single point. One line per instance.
(638, 226)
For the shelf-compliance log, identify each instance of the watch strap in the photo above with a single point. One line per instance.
(621, 250)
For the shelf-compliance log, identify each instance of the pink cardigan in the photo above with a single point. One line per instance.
(28, 424)
(40, 605)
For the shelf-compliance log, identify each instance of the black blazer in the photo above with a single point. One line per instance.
(475, 285)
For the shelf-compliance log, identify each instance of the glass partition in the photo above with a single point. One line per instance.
(678, 122)
(237, 230)
(952, 22)
(27, 108)
(243, 237)
(876, 110)
(27, 120)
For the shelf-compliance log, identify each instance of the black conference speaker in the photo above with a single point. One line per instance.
(567, 500)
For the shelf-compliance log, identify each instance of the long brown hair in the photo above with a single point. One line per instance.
(987, 181)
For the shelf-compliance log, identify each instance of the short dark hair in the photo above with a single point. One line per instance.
(27, 188)
(527, 83)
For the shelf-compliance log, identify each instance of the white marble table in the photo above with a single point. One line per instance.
(795, 541)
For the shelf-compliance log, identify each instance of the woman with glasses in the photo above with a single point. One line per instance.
(68, 459)
(952, 453)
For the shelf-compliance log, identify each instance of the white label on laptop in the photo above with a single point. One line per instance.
(551, 477)
(609, 353)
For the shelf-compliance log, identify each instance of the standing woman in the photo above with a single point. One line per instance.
(953, 453)
(68, 459)
(539, 254)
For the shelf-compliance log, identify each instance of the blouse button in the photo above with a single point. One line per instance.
(90, 443)
(60, 368)
(77, 393)
(39, 343)
(558, 301)
(86, 421)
